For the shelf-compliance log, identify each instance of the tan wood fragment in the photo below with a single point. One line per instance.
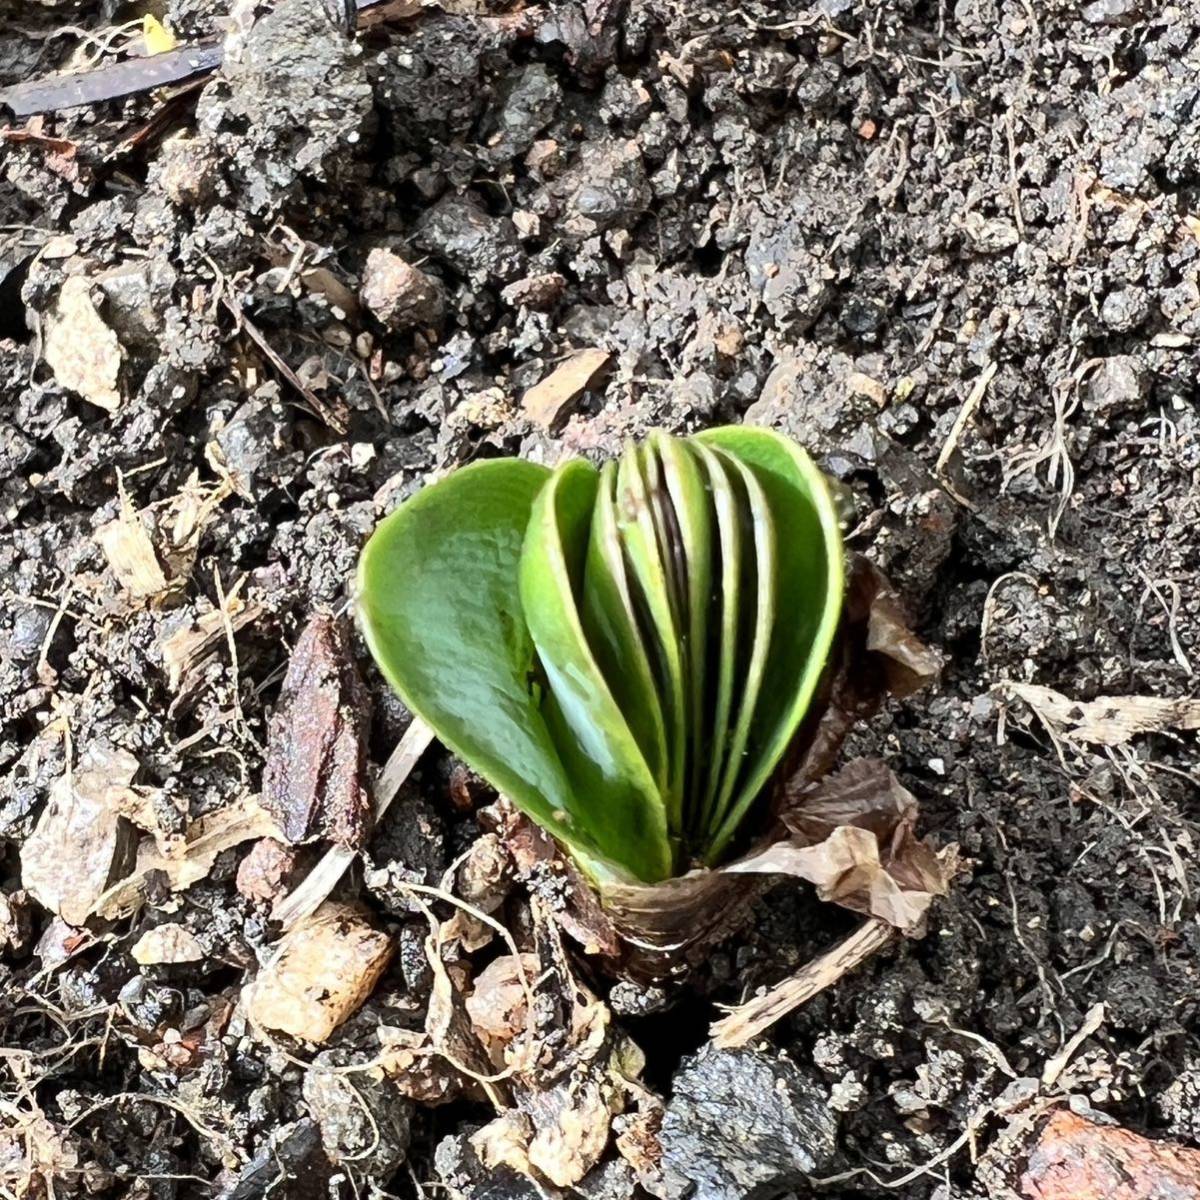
(549, 402)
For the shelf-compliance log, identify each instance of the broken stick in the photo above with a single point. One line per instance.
(748, 1020)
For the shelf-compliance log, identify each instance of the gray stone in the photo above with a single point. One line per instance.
(605, 187)
(256, 443)
(784, 271)
(362, 1120)
(529, 107)
(1119, 384)
(1112, 12)
(743, 1126)
(1125, 309)
(472, 241)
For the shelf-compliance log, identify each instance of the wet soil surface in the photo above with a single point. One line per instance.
(953, 248)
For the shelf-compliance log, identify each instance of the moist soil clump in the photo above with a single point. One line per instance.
(954, 250)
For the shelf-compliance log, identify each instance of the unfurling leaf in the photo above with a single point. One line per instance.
(626, 654)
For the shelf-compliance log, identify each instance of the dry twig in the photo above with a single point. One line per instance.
(748, 1020)
(969, 407)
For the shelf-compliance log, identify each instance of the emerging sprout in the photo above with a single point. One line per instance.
(625, 653)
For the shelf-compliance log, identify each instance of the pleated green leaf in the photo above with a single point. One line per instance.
(689, 506)
(722, 635)
(756, 621)
(626, 654)
(611, 627)
(810, 586)
(601, 755)
(652, 601)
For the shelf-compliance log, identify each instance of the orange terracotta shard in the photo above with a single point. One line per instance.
(1078, 1160)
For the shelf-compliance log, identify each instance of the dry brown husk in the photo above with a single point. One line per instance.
(851, 833)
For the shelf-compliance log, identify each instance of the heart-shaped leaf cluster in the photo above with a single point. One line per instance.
(626, 653)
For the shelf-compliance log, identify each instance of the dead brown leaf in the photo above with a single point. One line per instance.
(909, 664)
(60, 155)
(315, 781)
(34, 133)
(1107, 720)
(853, 838)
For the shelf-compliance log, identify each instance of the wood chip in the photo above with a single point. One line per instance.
(81, 350)
(169, 943)
(130, 553)
(326, 968)
(550, 402)
(187, 649)
(1107, 720)
(81, 841)
(189, 858)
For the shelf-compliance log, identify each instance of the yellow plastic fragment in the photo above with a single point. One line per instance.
(157, 37)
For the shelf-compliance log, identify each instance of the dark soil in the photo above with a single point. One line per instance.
(844, 220)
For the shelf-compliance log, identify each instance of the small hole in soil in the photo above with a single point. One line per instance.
(708, 258)
(12, 311)
(668, 1037)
